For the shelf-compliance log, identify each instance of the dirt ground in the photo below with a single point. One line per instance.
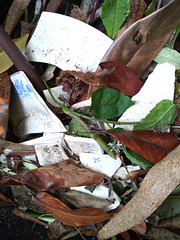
(15, 228)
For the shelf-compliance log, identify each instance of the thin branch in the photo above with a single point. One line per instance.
(53, 5)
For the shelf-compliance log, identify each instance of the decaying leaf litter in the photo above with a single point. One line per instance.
(68, 163)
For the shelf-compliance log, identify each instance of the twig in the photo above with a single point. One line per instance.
(93, 13)
(77, 116)
(159, 4)
(15, 146)
(15, 12)
(20, 61)
(53, 5)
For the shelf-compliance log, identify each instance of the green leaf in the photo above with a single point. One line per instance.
(113, 15)
(150, 8)
(5, 62)
(75, 127)
(168, 55)
(136, 158)
(169, 208)
(108, 103)
(162, 114)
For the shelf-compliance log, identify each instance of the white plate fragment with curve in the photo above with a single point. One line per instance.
(159, 86)
(67, 43)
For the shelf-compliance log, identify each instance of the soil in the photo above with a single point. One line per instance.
(16, 228)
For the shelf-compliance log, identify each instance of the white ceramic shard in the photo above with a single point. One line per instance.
(159, 86)
(82, 144)
(101, 192)
(49, 148)
(57, 93)
(50, 153)
(123, 174)
(28, 110)
(67, 43)
(101, 163)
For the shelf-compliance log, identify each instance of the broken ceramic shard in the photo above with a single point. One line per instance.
(67, 43)
(101, 192)
(58, 94)
(101, 163)
(159, 86)
(28, 110)
(122, 172)
(50, 148)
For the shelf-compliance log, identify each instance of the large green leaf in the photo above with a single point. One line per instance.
(136, 158)
(5, 62)
(114, 13)
(109, 103)
(162, 114)
(168, 55)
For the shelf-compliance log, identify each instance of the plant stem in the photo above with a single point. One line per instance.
(67, 111)
(76, 116)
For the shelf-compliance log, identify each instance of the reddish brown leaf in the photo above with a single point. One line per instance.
(122, 78)
(5, 92)
(62, 174)
(151, 145)
(78, 217)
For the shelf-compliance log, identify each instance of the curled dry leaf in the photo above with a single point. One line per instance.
(90, 78)
(162, 233)
(172, 223)
(84, 200)
(78, 217)
(156, 186)
(153, 146)
(141, 42)
(5, 93)
(122, 78)
(62, 174)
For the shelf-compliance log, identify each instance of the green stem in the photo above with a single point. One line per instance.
(34, 19)
(76, 116)
(26, 15)
(67, 110)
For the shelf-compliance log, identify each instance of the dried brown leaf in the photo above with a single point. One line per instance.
(122, 78)
(77, 13)
(153, 146)
(5, 93)
(162, 233)
(172, 223)
(78, 217)
(84, 200)
(156, 186)
(141, 42)
(4, 201)
(62, 174)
